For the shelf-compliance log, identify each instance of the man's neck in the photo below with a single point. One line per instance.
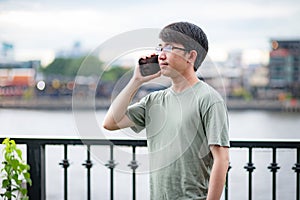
(180, 83)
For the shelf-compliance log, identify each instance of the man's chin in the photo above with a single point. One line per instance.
(169, 73)
(165, 73)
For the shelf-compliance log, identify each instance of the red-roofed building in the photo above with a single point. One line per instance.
(16, 77)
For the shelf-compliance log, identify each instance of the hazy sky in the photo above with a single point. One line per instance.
(39, 28)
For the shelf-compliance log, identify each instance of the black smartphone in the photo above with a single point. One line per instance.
(149, 65)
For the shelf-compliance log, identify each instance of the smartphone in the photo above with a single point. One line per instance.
(149, 65)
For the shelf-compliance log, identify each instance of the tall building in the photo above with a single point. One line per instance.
(284, 66)
(74, 52)
(6, 52)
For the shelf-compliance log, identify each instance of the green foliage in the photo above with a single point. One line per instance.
(70, 66)
(114, 73)
(242, 93)
(15, 172)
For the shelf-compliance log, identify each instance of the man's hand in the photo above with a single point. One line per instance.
(116, 116)
(137, 76)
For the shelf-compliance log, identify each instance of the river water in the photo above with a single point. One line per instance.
(244, 125)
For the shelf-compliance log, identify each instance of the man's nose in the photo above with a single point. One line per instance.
(162, 56)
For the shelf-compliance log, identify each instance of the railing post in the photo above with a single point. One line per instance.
(88, 164)
(133, 165)
(296, 168)
(250, 168)
(36, 160)
(274, 167)
(226, 183)
(65, 164)
(111, 165)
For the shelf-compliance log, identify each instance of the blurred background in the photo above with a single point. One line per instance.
(254, 45)
(253, 61)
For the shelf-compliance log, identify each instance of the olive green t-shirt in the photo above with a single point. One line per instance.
(179, 128)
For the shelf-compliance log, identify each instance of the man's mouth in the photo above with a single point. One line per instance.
(163, 64)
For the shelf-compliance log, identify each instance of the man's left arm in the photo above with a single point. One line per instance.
(218, 173)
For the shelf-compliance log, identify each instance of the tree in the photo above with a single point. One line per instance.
(70, 66)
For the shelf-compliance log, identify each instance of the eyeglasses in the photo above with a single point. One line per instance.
(169, 48)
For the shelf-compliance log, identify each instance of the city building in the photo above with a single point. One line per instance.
(17, 77)
(6, 52)
(74, 52)
(284, 66)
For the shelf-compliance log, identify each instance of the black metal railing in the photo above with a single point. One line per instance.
(274, 145)
(36, 159)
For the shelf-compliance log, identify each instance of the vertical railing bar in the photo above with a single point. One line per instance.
(66, 172)
(296, 168)
(65, 164)
(250, 168)
(111, 165)
(226, 187)
(273, 167)
(36, 160)
(298, 175)
(274, 175)
(133, 165)
(226, 183)
(112, 173)
(88, 165)
(133, 175)
(250, 174)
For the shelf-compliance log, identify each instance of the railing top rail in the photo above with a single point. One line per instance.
(55, 141)
(266, 144)
(242, 143)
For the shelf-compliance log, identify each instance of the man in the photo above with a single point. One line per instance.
(186, 124)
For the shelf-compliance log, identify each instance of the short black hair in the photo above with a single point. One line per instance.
(191, 36)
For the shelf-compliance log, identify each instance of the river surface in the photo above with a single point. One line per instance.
(246, 125)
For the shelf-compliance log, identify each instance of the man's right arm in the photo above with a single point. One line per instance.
(116, 115)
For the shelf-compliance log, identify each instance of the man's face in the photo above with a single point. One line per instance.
(172, 59)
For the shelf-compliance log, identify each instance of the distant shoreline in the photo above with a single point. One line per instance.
(67, 103)
(261, 105)
(54, 103)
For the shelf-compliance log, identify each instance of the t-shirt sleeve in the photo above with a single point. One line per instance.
(217, 125)
(136, 113)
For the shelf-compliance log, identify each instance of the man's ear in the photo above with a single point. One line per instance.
(192, 56)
